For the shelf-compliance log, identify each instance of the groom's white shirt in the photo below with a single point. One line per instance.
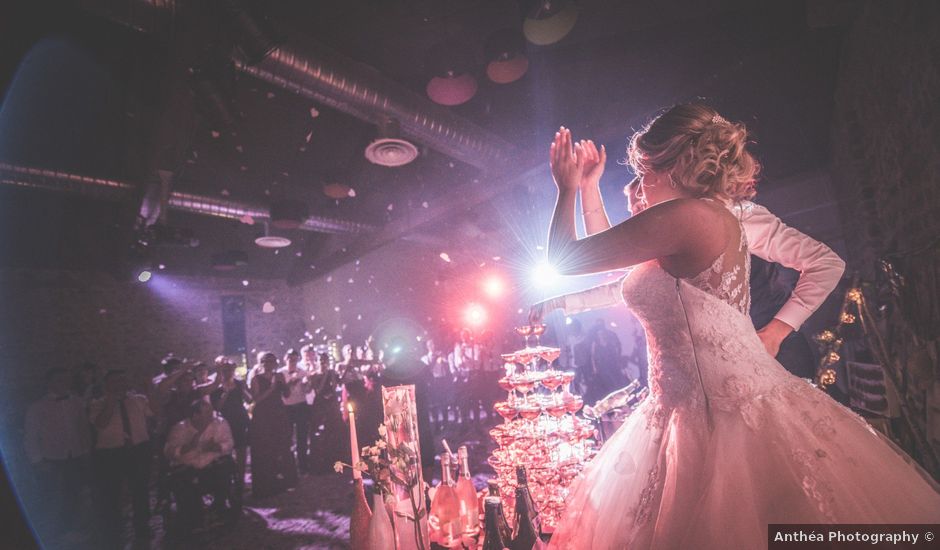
(768, 238)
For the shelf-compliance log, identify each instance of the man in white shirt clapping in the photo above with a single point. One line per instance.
(57, 442)
(199, 450)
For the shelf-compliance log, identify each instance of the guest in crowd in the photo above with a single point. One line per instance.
(199, 450)
(58, 442)
(491, 367)
(272, 463)
(329, 438)
(298, 411)
(464, 363)
(122, 453)
(606, 361)
(442, 383)
(230, 399)
(85, 382)
(361, 388)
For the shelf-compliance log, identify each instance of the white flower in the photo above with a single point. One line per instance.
(338, 467)
(381, 444)
(382, 431)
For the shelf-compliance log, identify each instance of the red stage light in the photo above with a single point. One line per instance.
(494, 286)
(474, 315)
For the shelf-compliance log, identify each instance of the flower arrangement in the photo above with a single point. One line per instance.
(383, 464)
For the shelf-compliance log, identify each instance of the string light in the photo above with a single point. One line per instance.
(830, 340)
(854, 295)
(827, 377)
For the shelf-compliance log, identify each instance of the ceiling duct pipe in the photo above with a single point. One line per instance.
(101, 188)
(337, 82)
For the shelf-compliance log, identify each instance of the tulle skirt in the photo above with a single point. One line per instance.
(715, 477)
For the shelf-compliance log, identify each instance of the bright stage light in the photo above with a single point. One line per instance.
(144, 276)
(494, 287)
(474, 315)
(545, 274)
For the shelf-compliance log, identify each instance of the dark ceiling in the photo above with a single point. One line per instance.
(88, 96)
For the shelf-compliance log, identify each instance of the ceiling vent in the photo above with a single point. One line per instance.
(389, 149)
(272, 239)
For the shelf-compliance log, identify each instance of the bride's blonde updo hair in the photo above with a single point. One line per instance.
(699, 150)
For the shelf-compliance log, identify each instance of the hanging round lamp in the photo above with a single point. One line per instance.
(451, 83)
(505, 54)
(550, 21)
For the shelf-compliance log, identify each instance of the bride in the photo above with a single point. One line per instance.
(728, 441)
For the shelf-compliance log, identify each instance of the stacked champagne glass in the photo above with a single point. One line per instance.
(541, 430)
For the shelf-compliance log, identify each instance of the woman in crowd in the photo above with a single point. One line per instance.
(231, 400)
(272, 463)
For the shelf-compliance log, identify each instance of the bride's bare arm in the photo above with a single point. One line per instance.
(669, 229)
(685, 228)
(592, 203)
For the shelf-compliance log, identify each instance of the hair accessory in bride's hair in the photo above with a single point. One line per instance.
(718, 119)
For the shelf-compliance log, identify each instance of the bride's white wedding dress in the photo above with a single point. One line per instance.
(728, 441)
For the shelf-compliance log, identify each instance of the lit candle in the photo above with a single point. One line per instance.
(353, 441)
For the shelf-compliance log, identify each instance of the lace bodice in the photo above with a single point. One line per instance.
(727, 277)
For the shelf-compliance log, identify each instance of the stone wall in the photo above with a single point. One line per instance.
(886, 171)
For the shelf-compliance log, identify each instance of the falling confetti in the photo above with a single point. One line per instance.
(269, 95)
(424, 204)
(445, 257)
(613, 324)
(497, 258)
(351, 193)
(268, 307)
(224, 192)
(519, 310)
(359, 317)
(329, 279)
(335, 308)
(298, 254)
(350, 281)
(161, 267)
(314, 113)
(245, 283)
(313, 317)
(390, 207)
(215, 134)
(540, 247)
(102, 311)
(239, 148)
(205, 319)
(309, 136)
(247, 220)
(243, 168)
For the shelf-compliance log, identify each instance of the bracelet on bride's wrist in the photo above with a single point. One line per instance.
(592, 211)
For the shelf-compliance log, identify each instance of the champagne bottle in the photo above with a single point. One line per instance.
(525, 525)
(467, 493)
(493, 537)
(492, 486)
(501, 522)
(444, 518)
